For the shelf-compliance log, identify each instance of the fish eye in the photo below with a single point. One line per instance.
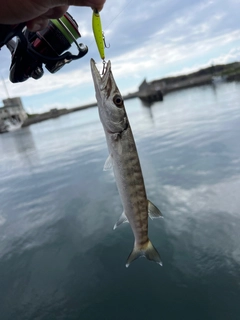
(118, 101)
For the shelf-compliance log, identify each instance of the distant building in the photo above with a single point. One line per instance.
(13, 110)
(144, 86)
(149, 93)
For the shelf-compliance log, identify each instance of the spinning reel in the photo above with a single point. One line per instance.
(33, 49)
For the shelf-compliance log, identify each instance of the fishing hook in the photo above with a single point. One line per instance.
(104, 66)
(104, 41)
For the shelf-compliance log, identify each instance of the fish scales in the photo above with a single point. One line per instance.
(131, 186)
(124, 160)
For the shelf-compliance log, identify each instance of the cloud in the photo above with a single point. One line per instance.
(50, 82)
(153, 39)
(2, 220)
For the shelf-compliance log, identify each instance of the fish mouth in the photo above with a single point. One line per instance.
(99, 80)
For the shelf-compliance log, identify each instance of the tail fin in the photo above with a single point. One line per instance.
(148, 251)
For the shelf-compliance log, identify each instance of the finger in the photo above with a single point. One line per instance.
(41, 22)
(95, 4)
(37, 24)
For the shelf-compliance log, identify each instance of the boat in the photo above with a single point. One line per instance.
(149, 93)
(10, 125)
(3, 127)
(12, 115)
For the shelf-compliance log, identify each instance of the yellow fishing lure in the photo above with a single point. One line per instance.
(98, 33)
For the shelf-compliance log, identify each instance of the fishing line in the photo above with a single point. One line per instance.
(113, 20)
(119, 14)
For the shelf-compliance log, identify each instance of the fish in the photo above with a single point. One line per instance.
(123, 159)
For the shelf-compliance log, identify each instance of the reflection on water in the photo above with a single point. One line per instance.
(147, 111)
(60, 258)
(25, 146)
(24, 141)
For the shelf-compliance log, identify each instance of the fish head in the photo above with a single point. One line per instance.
(110, 102)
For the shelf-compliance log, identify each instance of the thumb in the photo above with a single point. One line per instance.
(41, 22)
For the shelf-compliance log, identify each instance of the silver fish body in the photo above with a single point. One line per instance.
(124, 160)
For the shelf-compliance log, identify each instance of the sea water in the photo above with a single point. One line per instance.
(59, 256)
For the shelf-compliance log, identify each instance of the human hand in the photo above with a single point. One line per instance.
(36, 13)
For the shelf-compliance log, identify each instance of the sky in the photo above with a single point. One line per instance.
(148, 39)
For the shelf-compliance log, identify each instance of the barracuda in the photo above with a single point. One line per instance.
(123, 158)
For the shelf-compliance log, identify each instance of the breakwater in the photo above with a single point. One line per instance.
(147, 90)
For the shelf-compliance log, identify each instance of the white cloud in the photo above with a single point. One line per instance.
(49, 83)
(232, 55)
(150, 39)
(2, 220)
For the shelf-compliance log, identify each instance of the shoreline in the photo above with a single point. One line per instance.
(206, 76)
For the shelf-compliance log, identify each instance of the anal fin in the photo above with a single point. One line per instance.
(153, 211)
(123, 219)
(108, 164)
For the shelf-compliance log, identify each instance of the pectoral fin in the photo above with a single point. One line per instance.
(108, 164)
(153, 211)
(116, 138)
(119, 146)
(122, 219)
(148, 251)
